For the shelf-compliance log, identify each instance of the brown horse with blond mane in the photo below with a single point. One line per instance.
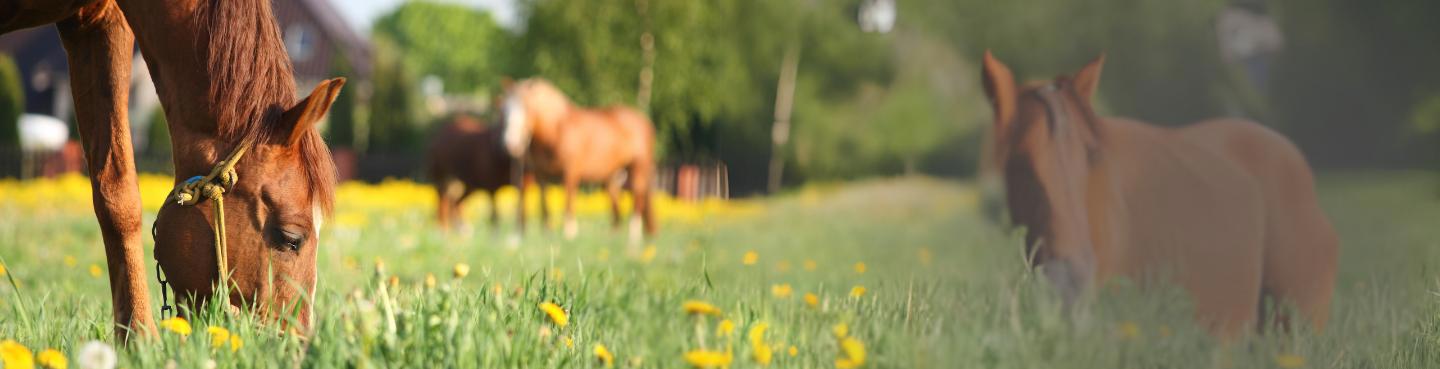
(557, 139)
(228, 89)
(1224, 208)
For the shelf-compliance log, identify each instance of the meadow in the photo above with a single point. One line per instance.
(893, 273)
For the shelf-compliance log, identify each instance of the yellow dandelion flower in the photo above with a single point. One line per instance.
(556, 314)
(925, 256)
(781, 290)
(810, 265)
(853, 354)
(860, 268)
(349, 263)
(15, 355)
(461, 270)
(751, 257)
(1289, 361)
(761, 352)
(604, 254)
(569, 342)
(696, 307)
(52, 359)
(95, 270)
(70, 261)
(857, 292)
(498, 289)
(219, 337)
(1129, 330)
(604, 356)
(393, 282)
(757, 333)
(557, 274)
(429, 280)
(648, 254)
(841, 330)
(2, 270)
(379, 265)
(782, 266)
(793, 351)
(726, 328)
(708, 359)
(812, 300)
(177, 325)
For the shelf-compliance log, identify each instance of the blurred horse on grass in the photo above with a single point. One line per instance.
(614, 146)
(1225, 208)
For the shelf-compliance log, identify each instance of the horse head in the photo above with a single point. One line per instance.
(1046, 136)
(260, 222)
(532, 111)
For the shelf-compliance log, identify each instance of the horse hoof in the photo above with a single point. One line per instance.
(572, 229)
(512, 241)
(637, 231)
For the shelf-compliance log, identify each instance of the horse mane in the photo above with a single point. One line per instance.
(252, 83)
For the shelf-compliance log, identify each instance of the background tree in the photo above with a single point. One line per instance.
(340, 131)
(462, 46)
(395, 107)
(12, 102)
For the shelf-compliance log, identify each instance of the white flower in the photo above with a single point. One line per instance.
(209, 364)
(95, 355)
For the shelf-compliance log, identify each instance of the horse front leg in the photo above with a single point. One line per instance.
(98, 45)
(572, 228)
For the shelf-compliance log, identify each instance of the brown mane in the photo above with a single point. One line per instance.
(252, 84)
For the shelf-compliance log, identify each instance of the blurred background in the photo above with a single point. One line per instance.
(761, 95)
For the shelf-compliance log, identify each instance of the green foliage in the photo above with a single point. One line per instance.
(157, 138)
(717, 64)
(12, 102)
(462, 46)
(395, 106)
(340, 131)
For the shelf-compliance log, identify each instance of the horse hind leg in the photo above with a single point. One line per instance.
(642, 215)
(572, 227)
(612, 189)
(1300, 267)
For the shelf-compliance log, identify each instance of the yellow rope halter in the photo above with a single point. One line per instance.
(213, 187)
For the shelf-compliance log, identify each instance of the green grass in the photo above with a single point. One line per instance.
(972, 305)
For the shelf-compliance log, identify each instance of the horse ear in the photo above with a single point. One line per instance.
(1088, 78)
(999, 87)
(307, 113)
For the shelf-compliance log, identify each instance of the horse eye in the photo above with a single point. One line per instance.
(291, 240)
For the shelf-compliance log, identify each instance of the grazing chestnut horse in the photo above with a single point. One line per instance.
(557, 139)
(226, 84)
(1225, 208)
(466, 155)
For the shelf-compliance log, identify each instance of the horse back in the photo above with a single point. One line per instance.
(468, 150)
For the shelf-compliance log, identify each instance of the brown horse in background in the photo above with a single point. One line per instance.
(226, 84)
(612, 145)
(1225, 208)
(467, 155)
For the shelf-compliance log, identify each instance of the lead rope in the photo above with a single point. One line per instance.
(195, 190)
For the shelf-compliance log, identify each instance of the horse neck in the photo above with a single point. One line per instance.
(166, 32)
